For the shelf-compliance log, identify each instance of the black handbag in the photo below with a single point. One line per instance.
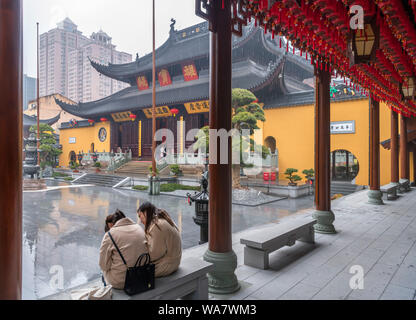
(139, 278)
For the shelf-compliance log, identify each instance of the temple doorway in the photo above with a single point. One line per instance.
(270, 142)
(344, 166)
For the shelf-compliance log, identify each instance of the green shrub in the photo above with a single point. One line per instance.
(140, 188)
(175, 169)
(170, 187)
(151, 170)
(68, 179)
(291, 176)
(97, 165)
(59, 175)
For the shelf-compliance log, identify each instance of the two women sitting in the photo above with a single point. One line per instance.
(160, 238)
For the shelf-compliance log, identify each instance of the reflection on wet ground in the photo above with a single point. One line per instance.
(62, 230)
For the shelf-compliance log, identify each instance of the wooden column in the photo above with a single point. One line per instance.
(220, 253)
(374, 195)
(11, 65)
(414, 165)
(323, 214)
(404, 160)
(394, 147)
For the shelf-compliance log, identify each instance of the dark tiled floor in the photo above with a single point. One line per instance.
(63, 230)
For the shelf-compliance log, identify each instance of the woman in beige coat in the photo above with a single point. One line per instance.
(163, 239)
(131, 241)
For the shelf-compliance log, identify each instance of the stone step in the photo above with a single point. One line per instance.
(100, 180)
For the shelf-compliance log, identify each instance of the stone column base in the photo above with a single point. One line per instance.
(222, 279)
(325, 221)
(375, 197)
(404, 185)
(154, 186)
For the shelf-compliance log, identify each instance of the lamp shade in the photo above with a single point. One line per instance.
(363, 43)
(408, 88)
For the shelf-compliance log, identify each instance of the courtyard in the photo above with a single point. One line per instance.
(66, 224)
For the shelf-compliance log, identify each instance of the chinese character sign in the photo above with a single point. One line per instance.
(160, 112)
(164, 78)
(189, 72)
(197, 107)
(142, 83)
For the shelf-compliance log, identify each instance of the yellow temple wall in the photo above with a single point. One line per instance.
(84, 138)
(293, 129)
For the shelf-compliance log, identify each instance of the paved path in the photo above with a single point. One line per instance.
(380, 239)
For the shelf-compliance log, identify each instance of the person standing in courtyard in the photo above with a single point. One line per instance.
(131, 241)
(163, 239)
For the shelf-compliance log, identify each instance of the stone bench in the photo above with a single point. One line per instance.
(190, 282)
(260, 243)
(404, 185)
(390, 191)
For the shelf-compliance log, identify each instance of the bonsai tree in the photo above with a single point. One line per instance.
(175, 169)
(309, 174)
(48, 145)
(246, 114)
(293, 178)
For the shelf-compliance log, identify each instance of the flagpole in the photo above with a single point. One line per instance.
(37, 99)
(154, 98)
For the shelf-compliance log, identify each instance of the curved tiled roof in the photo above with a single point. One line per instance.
(29, 121)
(246, 75)
(186, 43)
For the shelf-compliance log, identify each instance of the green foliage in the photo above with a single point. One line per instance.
(175, 169)
(242, 97)
(59, 175)
(247, 113)
(151, 170)
(141, 188)
(97, 165)
(170, 187)
(293, 178)
(309, 173)
(68, 179)
(47, 144)
(202, 140)
(74, 165)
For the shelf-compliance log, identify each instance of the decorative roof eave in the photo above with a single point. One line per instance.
(29, 121)
(411, 135)
(247, 75)
(199, 45)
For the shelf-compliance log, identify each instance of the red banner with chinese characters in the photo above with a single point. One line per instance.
(164, 78)
(142, 83)
(189, 72)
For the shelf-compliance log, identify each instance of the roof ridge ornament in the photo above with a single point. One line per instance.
(172, 26)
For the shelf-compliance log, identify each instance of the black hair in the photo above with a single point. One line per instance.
(153, 214)
(113, 218)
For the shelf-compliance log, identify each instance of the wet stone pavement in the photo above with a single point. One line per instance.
(63, 229)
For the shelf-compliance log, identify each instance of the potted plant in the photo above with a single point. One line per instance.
(97, 166)
(293, 178)
(175, 170)
(74, 166)
(309, 174)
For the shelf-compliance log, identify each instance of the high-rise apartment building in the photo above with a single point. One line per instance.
(65, 67)
(29, 90)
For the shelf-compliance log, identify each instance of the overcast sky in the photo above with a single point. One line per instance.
(128, 22)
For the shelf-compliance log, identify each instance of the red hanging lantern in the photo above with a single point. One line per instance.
(90, 121)
(133, 117)
(175, 112)
(104, 119)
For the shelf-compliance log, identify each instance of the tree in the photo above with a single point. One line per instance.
(293, 178)
(309, 174)
(246, 114)
(47, 145)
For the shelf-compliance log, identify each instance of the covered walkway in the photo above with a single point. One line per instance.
(381, 239)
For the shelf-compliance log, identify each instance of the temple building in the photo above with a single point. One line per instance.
(280, 77)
